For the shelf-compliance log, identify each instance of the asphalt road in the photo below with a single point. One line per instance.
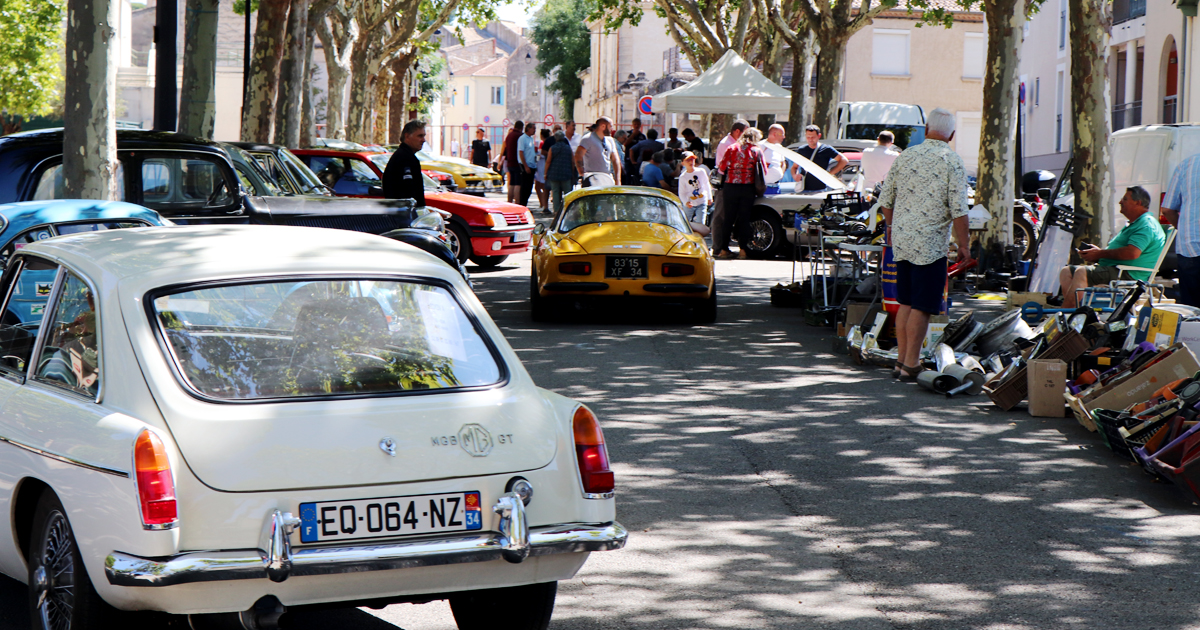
(769, 483)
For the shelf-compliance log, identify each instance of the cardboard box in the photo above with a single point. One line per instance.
(937, 325)
(1181, 364)
(1017, 299)
(1047, 381)
(855, 311)
(1068, 346)
(1159, 324)
(1189, 335)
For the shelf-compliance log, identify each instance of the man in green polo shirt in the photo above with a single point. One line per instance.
(1138, 245)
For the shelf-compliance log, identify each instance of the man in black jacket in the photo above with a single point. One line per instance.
(402, 177)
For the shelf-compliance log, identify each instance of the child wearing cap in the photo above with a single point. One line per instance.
(694, 189)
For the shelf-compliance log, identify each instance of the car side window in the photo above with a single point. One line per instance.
(29, 290)
(244, 179)
(70, 357)
(275, 170)
(193, 182)
(50, 183)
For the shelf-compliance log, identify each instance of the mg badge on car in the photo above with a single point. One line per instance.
(475, 440)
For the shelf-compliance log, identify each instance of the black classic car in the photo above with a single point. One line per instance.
(190, 180)
(286, 170)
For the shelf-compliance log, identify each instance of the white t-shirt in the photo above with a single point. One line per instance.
(694, 189)
(575, 140)
(876, 162)
(774, 160)
(454, 148)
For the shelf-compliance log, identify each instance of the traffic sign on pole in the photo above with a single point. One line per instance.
(466, 127)
(548, 120)
(506, 122)
(645, 105)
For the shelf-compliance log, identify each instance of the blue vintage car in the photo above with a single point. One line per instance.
(32, 221)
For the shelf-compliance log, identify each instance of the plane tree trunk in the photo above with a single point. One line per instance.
(89, 99)
(802, 65)
(382, 114)
(997, 141)
(830, 60)
(290, 95)
(269, 33)
(1091, 26)
(198, 92)
(337, 40)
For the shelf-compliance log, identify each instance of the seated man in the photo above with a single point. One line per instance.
(1137, 245)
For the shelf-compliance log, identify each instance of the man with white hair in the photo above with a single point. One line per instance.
(925, 193)
(773, 156)
(878, 160)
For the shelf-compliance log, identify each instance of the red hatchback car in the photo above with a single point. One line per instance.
(486, 231)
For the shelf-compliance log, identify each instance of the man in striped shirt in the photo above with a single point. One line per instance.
(1181, 208)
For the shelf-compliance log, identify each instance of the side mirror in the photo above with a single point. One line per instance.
(540, 229)
(1045, 194)
(375, 191)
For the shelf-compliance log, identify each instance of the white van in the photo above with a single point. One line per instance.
(1147, 156)
(863, 120)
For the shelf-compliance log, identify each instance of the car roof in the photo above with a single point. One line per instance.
(620, 190)
(154, 257)
(126, 139)
(22, 214)
(335, 153)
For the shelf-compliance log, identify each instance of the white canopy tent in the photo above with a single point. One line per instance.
(730, 86)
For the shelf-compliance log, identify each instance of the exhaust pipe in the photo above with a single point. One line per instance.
(265, 614)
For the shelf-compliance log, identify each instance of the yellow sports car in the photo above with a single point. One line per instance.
(621, 241)
(470, 179)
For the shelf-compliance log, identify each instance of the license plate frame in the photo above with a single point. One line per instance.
(626, 267)
(352, 520)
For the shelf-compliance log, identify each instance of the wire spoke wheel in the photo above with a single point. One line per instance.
(55, 577)
(762, 235)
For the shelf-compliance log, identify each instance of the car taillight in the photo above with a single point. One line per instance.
(156, 488)
(575, 268)
(593, 456)
(673, 270)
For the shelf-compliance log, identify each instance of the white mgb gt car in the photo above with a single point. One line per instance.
(233, 420)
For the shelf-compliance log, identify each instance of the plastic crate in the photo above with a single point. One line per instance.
(1179, 462)
(1108, 422)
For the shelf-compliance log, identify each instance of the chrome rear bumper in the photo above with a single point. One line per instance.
(277, 561)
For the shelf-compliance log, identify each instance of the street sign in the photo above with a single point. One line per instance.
(466, 127)
(487, 119)
(548, 120)
(645, 105)
(506, 122)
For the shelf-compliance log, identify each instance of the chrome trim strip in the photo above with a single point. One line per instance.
(123, 569)
(66, 460)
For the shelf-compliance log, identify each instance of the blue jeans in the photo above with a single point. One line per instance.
(697, 214)
(1187, 274)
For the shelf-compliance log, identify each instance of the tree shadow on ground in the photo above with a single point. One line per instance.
(901, 508)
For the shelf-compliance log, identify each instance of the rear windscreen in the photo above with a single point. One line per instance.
(299, 339)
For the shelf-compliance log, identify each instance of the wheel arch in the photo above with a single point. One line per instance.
(29, 490)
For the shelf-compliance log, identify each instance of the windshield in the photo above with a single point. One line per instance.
(906, 136)
(425, 157)
(381, 160)
(305, 178)
(623, 208)
(296, 339)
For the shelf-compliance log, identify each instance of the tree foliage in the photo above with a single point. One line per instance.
(560, 31)
(431, 82)
(29, 56)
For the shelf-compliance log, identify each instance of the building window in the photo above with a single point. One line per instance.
(974, 51)
(453, 97)
(466, 95)
(1062, 24)
(1058, 106)
(498, 94)
(889, 54)
(524, 87)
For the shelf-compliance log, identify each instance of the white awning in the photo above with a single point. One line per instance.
(730, 86)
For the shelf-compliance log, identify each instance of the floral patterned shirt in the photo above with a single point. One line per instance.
(738, 163)
(926, 190)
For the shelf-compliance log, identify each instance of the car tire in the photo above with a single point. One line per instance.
(60, 593)
(766, 233)
(1023, 232)
(539, 307)
(460, 242)
(487, 262)
(706, 309)
(516, 608)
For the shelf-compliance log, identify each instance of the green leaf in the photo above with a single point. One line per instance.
(560, 31)
(31, 51)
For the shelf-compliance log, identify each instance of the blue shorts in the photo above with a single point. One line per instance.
(921, 286)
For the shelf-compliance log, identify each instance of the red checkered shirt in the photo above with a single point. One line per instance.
(738, 163)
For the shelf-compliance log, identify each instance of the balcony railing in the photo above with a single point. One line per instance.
(1125, 10)
(1169, 105)
(1127, 115)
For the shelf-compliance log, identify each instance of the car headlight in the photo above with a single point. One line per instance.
(528, 218)
(428, 220)
(686, 248)
(496, 220)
